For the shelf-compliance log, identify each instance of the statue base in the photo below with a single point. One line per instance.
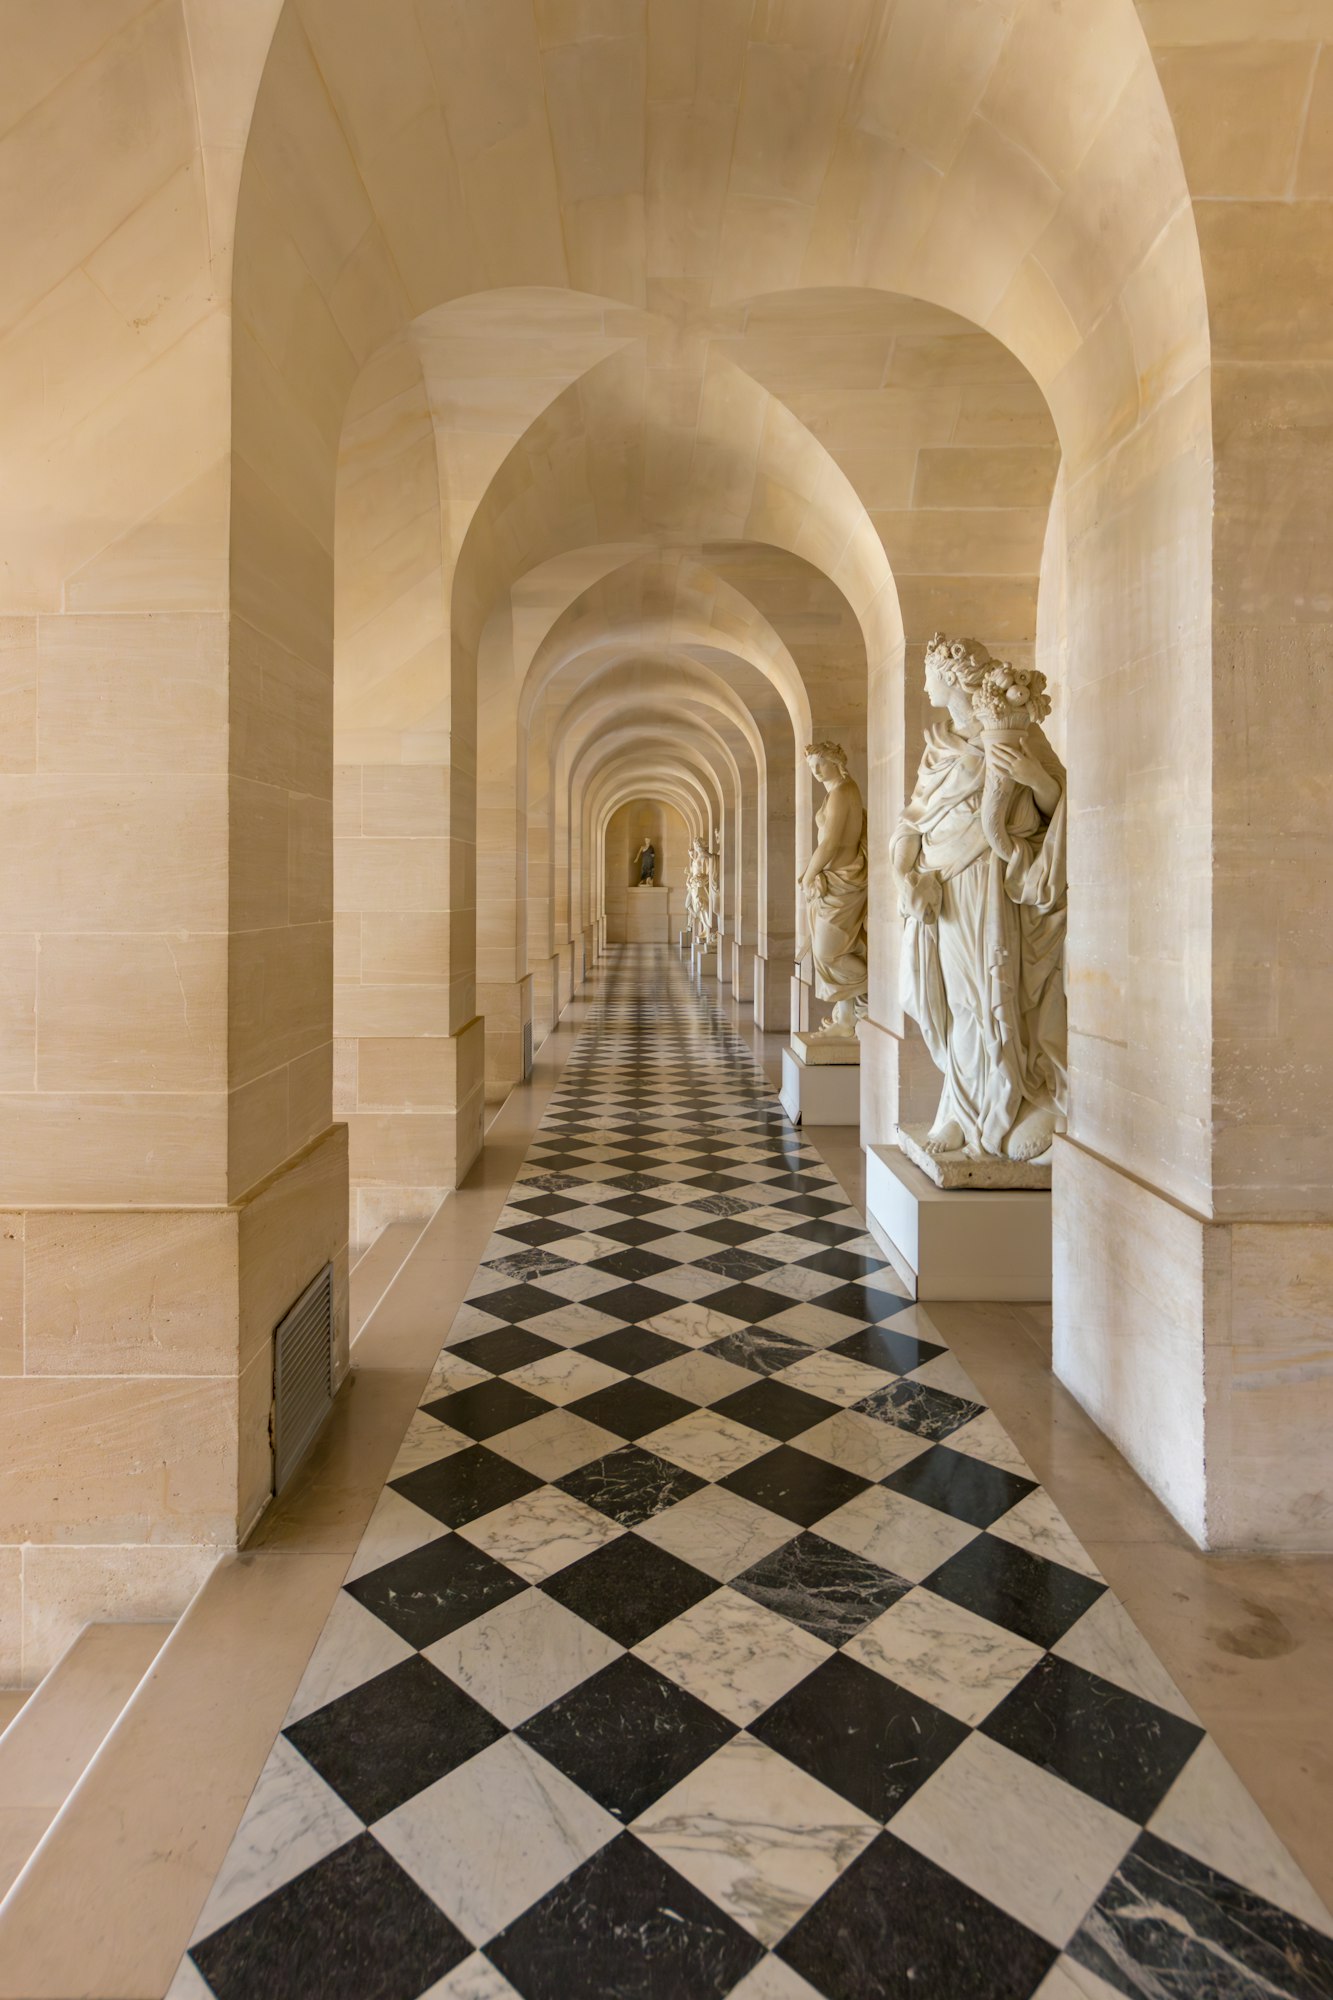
(960, 1170)
(820, 1091)
(843, 1050)
(647, 919)
(703, 964)
(989, 1245)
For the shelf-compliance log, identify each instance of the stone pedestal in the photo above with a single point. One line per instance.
(959, 1170)
(647, 916)
(684, 941)
(703, 964)
(990, 1244)
(821, 1083)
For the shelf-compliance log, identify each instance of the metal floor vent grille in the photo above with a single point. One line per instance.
(302, 1375)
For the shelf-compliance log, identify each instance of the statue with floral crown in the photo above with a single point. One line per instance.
(979, 859)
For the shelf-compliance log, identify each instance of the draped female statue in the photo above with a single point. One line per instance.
(979, 857)
(834, 883)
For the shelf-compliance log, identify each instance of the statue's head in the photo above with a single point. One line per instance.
(828, 761)
(955, 666)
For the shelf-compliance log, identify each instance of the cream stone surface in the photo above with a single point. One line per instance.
(429, 433)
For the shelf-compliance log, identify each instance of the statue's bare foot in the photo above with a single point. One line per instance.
(1032, 1135)
(944, 1136)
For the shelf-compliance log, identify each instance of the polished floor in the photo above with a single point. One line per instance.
(712, 1637)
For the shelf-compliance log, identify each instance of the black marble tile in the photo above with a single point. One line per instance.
(747, 1302)
(1112, 1744)
(488, 1408)
(967, 1488)
(435, 1589)
(795, 1484)
(737, 1264)
(722, 1204)
(1039, 1600)
(844, 1263)
(861, 1735)
(389, 1738)
(627, 1735)
(1167, 1927)
(897, 1927)
(632, 1408)
(353, 1927)
(720, 1183)
(630, 1485)
(870, 1303)
(629, 1587)
(884, 1347)
(830, 1233)
(776, 1409)
(630, 1205)
(811, 1206)
(825, 1589)
(547, 1183)
(547, 1204)
(758, 1349)
(505, 1347)
(517, 1302)
(633, 1231)
(537, 1233)
(916, 1407)
(633, 1263)
(632, 1304)
(528, 1264)
(624, 1926)
(464, 1486)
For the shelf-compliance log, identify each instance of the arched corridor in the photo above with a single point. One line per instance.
(668, 586)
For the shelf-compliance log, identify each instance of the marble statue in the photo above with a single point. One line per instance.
(834, 884)
(979, 859)
(647, 860)
(696, 890)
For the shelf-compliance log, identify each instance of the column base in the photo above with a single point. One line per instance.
(990, 1245)
(411, 1149)
(819, 1093)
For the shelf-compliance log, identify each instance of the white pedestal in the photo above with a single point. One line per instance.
(990, 1244)
(820, 1093)
(705, 967)
(646, 916)
(684, 941)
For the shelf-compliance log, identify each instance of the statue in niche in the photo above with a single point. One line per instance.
(646, 859)
(979, 858)
(701, 892)
(834, 884)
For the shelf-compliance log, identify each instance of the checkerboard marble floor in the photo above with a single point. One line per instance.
(711, 1637)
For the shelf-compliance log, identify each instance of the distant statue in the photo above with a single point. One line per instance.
(699, 889)
(834, 883)
(979, 857)
(647, 860)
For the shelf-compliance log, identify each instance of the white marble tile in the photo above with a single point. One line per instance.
(1209, 1814)
(1106, 1641)
(394, 1529)
(812, 1324)
(835, 1377)
(795, 1281)
(947, 1372)
(896, 1532)
(862, 1445)
(354, 1646)
(785, 1249)
(684, 1247)
(495, 1835)
(1067, 1981)
(984, 1438)
(292, 1821)
(563, 1377)
(592, 1216)
(733, 1654)
(694, 1325)
(700, 1378)
(707, 1444)
(579, 1283)
(1018, 1836)
(1037, 1525)
(772, 1980)
(687, 1281)
(571, 1325)
(757, 1835)
(582, 1249)
(427, 1441)
(523, 1655)
(452, 1373)
(540, 1533)
(717, 1531)
(475, 1979)
(188, 1984)
(470, 1320)
(949, 1656)
(553, 1444)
